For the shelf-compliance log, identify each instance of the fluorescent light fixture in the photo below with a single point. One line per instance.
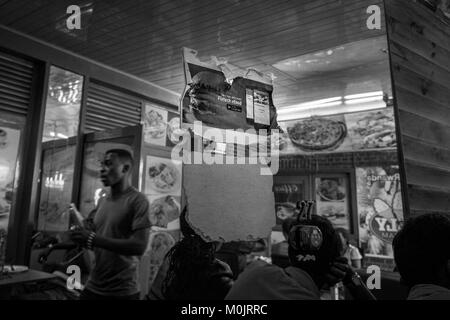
(364, 95)
(364, 100)
(52, 134)
(62, 136)
(331, 102)
(332, 111)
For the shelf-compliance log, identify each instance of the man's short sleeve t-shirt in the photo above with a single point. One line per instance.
(118, 218)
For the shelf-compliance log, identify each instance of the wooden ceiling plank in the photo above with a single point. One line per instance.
(295, 33)
(207, 35)
(43, 30)
(12, 9)
(137, 24)
(197, 30)
(260, 51)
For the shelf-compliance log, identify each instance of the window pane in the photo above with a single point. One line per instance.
(10, 134)
(62, 110)
(56, 188)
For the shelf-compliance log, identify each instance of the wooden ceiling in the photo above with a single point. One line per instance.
(145, 37)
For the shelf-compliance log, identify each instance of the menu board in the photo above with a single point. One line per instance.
(332, 200)
(9, 147)
(374, 130)
(286, 197)
(380, 208)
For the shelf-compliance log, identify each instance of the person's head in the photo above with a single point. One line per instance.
(189, 259)
(315, 262)
(422, 250)
(116, 166)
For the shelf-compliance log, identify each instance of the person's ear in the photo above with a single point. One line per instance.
(126, 168)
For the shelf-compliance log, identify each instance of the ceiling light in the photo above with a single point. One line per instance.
(52, 134)
(364, 100)
(332, 111)
(312, 105)
(62, 136)
(364, 95)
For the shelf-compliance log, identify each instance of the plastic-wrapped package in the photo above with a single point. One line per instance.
(223, 96)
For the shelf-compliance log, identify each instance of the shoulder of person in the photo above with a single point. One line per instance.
(138, 196)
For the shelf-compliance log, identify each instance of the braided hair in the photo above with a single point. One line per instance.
(189, 259)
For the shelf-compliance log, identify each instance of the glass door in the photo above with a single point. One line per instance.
(95, 146)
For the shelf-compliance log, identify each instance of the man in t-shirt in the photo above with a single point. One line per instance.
(117, 232)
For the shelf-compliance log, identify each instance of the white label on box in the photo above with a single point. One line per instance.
(261, 107)
(249, 103)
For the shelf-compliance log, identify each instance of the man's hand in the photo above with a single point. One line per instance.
(79, 236)
(73, 211)
(339, 271)
(44, 255)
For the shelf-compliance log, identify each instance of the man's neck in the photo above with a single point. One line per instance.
(120, 187)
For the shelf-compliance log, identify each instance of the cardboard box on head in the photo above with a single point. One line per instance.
(228, 202)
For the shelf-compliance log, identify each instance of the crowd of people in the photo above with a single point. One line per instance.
(320, 257)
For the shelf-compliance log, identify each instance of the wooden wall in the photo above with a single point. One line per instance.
(419, 41)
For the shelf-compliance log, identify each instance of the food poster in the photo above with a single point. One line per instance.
(92, 189)
(380, 208)
(160, 242)
(313, 135)
(162, 176)
(372, 130)
(286, 197)
(9, 148)
(155, 125)
(221, 96)
(163, 190)
(174, 131)
(332, 200)
(56, 189)
(165, 211)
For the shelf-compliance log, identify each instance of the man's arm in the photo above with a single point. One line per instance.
(133, 246)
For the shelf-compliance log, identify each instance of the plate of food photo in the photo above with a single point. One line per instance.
(285, 211)
(164, 210)
(331, 190)
(155, 124)
(174, 132)
(160, 244)
(317, 134)
(164, 177)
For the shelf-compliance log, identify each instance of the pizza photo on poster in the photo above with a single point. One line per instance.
(380, 208)
(315, 134)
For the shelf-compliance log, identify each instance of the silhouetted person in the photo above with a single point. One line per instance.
(422, 256)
